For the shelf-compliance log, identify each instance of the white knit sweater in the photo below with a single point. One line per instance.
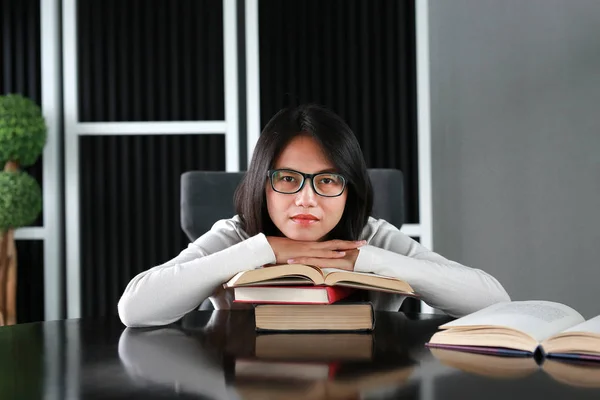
(165, 293)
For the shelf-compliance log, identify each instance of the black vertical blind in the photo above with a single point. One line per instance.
(130, 202)
(356, 57)
(150, 60)
(20, 41)
(30, 280)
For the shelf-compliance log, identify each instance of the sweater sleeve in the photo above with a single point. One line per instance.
(165, 293)
(446, 285)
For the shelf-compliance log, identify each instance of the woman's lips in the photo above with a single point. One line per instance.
(304, 219)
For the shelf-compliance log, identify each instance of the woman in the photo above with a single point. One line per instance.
(306, 199)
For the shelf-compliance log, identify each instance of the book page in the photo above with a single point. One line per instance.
(539, 319)
(367, 281)
(327, 271)
(591, 325)
(276, 272)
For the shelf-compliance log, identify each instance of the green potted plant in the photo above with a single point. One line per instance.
(22, 139)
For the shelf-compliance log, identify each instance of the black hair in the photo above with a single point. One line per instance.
(339, 145)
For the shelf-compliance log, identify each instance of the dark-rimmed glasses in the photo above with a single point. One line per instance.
(288, 181)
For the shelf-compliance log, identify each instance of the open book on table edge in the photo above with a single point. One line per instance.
(295, 274)
(581, 374)
(521, 328)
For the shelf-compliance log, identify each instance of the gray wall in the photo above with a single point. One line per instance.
(515, 102)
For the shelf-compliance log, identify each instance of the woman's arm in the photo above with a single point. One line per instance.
(449, 286)
(167, 292)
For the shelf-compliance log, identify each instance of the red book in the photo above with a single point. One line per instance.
(291, 294)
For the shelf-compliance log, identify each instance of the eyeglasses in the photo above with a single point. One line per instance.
(288, 181)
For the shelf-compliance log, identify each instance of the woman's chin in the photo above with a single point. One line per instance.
(303, 235)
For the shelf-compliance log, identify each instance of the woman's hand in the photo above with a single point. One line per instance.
(288, 251)
(346, 262)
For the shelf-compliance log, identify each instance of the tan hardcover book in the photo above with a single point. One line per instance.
(521, 328)
(315, 317)
(297, 274)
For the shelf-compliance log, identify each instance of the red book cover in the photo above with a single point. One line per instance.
(297, 294)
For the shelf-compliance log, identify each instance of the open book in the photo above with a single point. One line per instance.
(580, 374)
(297, 274)
(522, 327)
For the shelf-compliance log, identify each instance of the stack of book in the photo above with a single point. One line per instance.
(305, 298)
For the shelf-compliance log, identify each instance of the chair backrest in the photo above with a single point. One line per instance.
(207, 196)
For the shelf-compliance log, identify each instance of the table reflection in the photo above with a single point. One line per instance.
(225, 358)
(218, 355)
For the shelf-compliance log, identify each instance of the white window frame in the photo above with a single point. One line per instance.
(51, 230)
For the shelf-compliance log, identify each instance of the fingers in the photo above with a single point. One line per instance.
(319, 254)
(327, 254)
(342, 244)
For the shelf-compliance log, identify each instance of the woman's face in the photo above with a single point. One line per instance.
(304, 215)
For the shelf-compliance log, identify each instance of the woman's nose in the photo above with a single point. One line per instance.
(307, 196)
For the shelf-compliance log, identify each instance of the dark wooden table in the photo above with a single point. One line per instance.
(218, 355)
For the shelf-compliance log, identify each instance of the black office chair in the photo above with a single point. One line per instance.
(207, 196)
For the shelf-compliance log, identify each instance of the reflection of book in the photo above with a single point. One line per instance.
(268, 390)
(262, 369)
(314, 346)
(291, 294)
(522, 327)
(346, 387)
(297, 274)
(570, 373)
(574, 374)
(332, 388)
(486, 365)
(294, 365)
(315, 317)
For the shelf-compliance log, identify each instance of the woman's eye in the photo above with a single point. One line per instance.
(326, 181)
(288, 179)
